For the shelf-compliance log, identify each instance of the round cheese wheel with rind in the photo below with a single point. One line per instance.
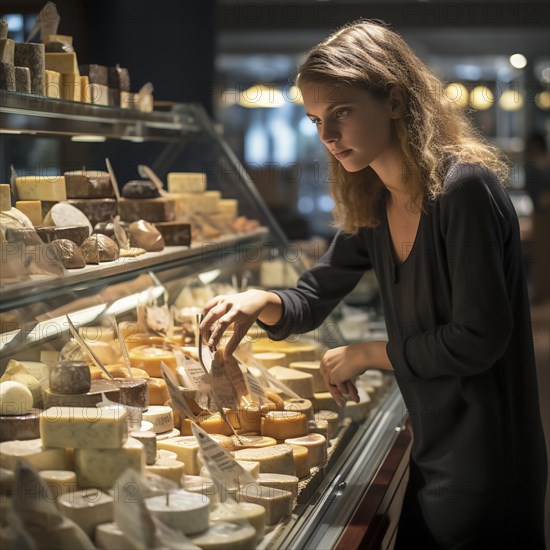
(15, 398)
(161, 417)
(223, 535)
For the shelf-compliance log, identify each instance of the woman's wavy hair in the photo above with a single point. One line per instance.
(367, 54)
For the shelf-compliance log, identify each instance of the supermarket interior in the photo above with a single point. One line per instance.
(161, 181)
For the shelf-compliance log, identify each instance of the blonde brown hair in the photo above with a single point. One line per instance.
(367, 54)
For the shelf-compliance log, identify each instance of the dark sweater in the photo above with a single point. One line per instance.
(460, 342)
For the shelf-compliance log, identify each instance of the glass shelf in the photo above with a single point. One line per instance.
(31, 114)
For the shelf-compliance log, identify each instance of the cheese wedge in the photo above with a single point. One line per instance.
(277, 459)
(316, 445)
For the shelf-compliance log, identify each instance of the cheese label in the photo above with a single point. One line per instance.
(122, 346)
(223, 468)
(276, 383)
(197, 376)
(131, 514)
(178, 401)
(256, 389)
(222, 386)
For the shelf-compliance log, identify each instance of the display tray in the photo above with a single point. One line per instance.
(28, 290)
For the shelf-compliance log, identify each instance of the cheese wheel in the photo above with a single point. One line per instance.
(98, 389)
(250, 417)
(161, 417)
(110, 537)
(358, 411)
(280, 481)
(58, 482)
(298, 381)
(168, 435)
(33, 452)
(70, 377)
(270, 359)
(238, 512)
(251, 466)
(252, 441)
(277, 503)
(163, 454)
(299, 405)
(15, 399)
(87, 508)
(314, 369)
(202, 486)
(315, 444)
(186, 512)
(24, 426)
(133, 392)
(149, 359)
(333, 420)
(281, 425)
(301, 461)
(276, 459)
(222, 536)
(101, 468)
(318, 427)
(216, 425)
(157, 390)
(168, 468)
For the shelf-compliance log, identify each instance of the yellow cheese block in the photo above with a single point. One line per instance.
(276, 459)
(277, 503)
(149, 359)
(186, 182)
(270, 359)
(85, 95)
(225, 441)
(316, 444)
(298, 381)
(187, 451)
(158, 391)
(97, 333)
(313, 368)
(216, 425)
(301, 461)
(70, 87)
(5, 197)
(44, 188)
(64, 63)
(281, 425)
(53, 84)
(99, 94)
(57, 38)
(128, 329)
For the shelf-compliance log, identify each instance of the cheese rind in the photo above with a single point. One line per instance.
(70, 377)
(284, 424)
(161, 417)
(25, 426)
(34, 452)
(101, 468)
(84, 427)
(316, 445)
(44, 188)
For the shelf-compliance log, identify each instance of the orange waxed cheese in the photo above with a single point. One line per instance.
(282, 425)
(301, 462)
(158, 391)
(149, 359)
(216, 425)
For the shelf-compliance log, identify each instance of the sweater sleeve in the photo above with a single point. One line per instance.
(475, 220)
(320, 289)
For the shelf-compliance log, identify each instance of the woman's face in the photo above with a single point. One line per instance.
(354, 126)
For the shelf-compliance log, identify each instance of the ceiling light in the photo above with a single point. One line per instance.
(518, 61)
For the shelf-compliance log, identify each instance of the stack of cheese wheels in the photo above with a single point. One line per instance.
(99, 437)
(18, 419)
(294, 351)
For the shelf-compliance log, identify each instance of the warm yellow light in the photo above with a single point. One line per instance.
(518, 61)
(543, 100)
(294, 95)
(457, 94)
(481, 98)
(511, 100)
(260, 96)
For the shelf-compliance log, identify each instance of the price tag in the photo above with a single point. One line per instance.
(222, 386)
(256, 389)
(179, 402)
(223, 468)
(235, 375)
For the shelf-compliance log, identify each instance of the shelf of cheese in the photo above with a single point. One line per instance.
(27, 113)
(17, 294)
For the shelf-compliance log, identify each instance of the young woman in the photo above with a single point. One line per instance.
(419, 198)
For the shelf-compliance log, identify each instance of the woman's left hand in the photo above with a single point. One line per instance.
(340, 366)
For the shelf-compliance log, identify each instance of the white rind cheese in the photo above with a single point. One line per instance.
(32, 451)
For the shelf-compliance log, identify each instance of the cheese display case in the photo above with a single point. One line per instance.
(117, 333)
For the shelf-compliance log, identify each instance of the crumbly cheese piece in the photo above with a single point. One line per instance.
(186, 182)
(64, 63)
(88, 508)
(42, 188)
(15, 398)
(168, 468)
(149, 359)
(280, 481)
(222, 535)
(270, 359)
(297, 381)
(5, 197)
(84, 427)
(34, 452)
(276, 459)
(161, 417)
(313, 368)
(277, 503)
(239, 512)
(316, 445)
(58, 482)
(102, 467)
(281, 425)
(53, 84)
(185, 511)
(31, 209)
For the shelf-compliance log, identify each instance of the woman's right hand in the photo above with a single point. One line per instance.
(242, 309)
